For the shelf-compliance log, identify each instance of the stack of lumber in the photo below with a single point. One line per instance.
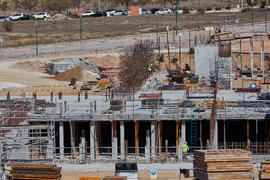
(35, 171)
(265, 170)
(223, 164)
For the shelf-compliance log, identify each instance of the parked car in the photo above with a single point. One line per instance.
(110, 12)
(145, 11)
(130, 170)
(154, 10)
(125, 12)
(99, 14)
(87, 13)
(4, 18)
(164, 11)
(41, 15)
(26, 17)
(179, 11)
(20, 16)
(118, 13)
(16, 17)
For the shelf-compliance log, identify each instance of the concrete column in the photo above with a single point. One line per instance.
(114, 140)
(92, 140)
(180, 158)
(215, 140)
(122, 139)
(147, 146)
(61, 140)
(183, 131)
(82, 148)
(114, 148)
(153, 139)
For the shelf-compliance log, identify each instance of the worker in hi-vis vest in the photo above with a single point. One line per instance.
(185, 149)
(150, 67)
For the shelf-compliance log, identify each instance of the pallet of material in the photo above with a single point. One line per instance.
(223, 164)
(35, 171)
(265, 170)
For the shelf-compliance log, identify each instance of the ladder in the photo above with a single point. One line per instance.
(193, 134)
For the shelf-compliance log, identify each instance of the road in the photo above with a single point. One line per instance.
(111, 45)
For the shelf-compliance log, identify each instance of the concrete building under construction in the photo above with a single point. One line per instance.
(147, 126)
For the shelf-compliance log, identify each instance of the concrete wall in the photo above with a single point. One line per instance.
(205, 58)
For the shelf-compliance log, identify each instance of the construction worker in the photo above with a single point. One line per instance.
(185, 150)
(150, 67)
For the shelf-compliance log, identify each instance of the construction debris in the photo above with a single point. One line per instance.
(35, 171)
(223, 164)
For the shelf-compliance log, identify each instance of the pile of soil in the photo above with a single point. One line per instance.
(30, 66)
(78, 73)
(59, 17)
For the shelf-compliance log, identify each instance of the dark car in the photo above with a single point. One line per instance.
(4, 18)
(26, 17)
(99, 14)
(154, 10)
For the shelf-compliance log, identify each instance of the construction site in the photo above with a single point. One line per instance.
(210, 92)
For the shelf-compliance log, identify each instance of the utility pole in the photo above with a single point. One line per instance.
(176, 18)
(81, 30)
(157, 30)
(67, 7)
(265, 20)
(168, 44)
(36, 23)
(252, 14)
(98, 5)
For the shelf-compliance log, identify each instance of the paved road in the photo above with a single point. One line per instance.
(109, 45)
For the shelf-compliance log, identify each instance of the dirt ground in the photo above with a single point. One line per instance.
(29, 73)
(75, 175)
(69, 30)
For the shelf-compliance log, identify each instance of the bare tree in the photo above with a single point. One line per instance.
(29, 4)
(54, 6)
(75, 4)
(4, 6)
(134, 63)
(127, 3)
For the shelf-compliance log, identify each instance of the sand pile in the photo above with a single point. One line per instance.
(78, 73)
(59, 17)
(30, 66)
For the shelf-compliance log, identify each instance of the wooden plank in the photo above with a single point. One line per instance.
(137, 136)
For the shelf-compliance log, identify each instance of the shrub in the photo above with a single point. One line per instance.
(201, 10)
(75, 16)
(191, 51)
(186, 10)
(161, 58)
(218, 8)
(263, 3)
(8, 26)
(174, 60)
